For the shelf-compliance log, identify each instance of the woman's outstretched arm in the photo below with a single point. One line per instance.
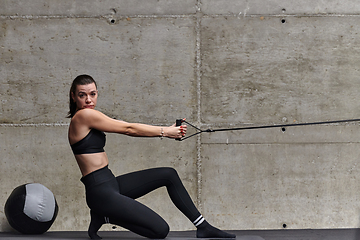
(94, 119)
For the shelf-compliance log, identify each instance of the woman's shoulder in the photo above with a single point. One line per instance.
(88, 117)
(83, 115)
(86, 112)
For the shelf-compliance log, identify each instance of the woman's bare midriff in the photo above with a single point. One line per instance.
(91, 162)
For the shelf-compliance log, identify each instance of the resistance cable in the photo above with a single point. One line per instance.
(180, 121)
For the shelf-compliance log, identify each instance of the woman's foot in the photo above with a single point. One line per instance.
(95, 224)
(205, 230)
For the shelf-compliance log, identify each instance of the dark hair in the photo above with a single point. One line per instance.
(79, 80)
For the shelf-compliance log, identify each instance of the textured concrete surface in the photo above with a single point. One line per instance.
(217, 63)
(97, 8)
(273, 7)
(259, 70)
(300, 184)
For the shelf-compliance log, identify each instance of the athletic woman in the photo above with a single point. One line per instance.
(112, 199)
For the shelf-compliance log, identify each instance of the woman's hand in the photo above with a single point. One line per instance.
(175, 131)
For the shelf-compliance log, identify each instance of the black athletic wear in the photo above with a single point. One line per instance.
(113, 197)
(94, 142)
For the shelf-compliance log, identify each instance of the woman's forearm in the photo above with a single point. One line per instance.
(144, 130)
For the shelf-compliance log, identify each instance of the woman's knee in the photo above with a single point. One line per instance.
(170, 172)
(162, 231)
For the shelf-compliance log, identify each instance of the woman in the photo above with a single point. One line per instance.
(110, 198)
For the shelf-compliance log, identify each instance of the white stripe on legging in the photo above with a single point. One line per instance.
(199, 221)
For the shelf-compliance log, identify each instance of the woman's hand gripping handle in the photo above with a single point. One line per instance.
(178, 124)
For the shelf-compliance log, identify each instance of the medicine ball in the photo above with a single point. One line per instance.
(31, 208)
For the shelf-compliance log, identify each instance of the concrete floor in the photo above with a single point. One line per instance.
(307, 234)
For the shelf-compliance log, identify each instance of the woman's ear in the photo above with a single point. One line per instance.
(72, 96)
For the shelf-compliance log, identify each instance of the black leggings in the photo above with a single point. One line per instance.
(112, 197)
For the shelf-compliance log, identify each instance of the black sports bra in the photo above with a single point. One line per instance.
(94, 142)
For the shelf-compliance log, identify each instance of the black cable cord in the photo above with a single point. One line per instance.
(262, 127)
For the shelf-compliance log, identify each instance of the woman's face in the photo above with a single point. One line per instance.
(85, 96)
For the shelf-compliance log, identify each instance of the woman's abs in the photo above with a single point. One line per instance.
(91, 162)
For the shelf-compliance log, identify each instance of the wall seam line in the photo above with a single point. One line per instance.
(198, 79)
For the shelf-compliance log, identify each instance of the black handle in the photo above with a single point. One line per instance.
(178, 123)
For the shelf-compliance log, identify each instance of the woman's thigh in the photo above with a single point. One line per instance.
(137, 184)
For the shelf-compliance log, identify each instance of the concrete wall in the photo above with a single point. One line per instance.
(219, 63)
